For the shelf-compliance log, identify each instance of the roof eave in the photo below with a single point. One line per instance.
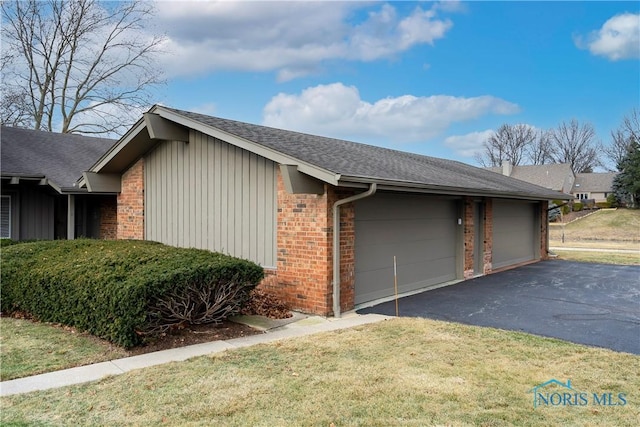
(394, 185)
(42, 179)
(138, 127)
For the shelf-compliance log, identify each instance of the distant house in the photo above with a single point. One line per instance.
(593, 186)
(40, 198)
(557, 176)
(324, 217)
(560, 177)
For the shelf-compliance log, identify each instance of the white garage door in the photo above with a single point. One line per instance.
(514, 232)
(419, 230)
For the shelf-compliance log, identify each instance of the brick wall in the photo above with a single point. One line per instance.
(130, 211)
(469, 236)
(304, 274)
(108, 217)
(303, 251)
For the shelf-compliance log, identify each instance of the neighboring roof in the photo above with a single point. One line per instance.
(594, 182)
(341, 162)
(556, 176)
(59, 157)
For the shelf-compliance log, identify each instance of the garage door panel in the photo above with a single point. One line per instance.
(402, 207)
(410, 278)
(407, 253)
(514, 233)
(389, 231)
(419, 230)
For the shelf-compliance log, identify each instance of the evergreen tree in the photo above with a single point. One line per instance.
(626, 184)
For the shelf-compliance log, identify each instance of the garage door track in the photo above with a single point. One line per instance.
(592, 304)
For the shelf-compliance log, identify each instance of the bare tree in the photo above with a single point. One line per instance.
(82, 65)
(509, 143)
(540, 152)
(623, 137)
(576, 144)
(14, 110)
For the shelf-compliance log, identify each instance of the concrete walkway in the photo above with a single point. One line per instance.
(274, 330)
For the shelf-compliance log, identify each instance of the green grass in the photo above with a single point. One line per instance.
(622, 225)
(30, 348)
(411, 372)
(599, 257)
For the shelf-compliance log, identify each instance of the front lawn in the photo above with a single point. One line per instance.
(30, 348)
(397, 372)
(619, 225)
(599, 257)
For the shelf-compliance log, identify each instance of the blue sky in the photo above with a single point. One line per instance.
(431, 78)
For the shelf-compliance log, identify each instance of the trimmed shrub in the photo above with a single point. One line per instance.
(577, 207)
(554, 212)
(123, 291)
(603, 205)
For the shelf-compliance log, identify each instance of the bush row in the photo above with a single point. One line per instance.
(123, 291)
(8, 242)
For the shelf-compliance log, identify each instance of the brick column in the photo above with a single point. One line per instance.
(130, 210)
(469, 237)
(544, 230)
(488, 236)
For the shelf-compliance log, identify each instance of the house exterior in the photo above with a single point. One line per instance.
(560, 177)
(593, 186)
(39, 196)
(556, 176)
(324, 217)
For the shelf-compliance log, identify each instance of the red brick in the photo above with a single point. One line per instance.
(130, 204)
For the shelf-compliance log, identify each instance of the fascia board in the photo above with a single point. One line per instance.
(438, 189)
(266, 152)
(43, 180)
(126, 138)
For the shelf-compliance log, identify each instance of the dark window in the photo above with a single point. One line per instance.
(5, 217)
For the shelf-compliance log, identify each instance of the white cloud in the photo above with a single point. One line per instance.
(338, 110)
(619, 38)
(470, 144)
(292, 38)
(208, 108)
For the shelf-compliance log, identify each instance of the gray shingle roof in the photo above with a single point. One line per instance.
(59, 157)
(594, 182)
(367, 162)
(557, 176)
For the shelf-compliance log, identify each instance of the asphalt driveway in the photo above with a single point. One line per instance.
(592, 304)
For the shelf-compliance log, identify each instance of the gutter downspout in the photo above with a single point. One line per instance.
(336, 243)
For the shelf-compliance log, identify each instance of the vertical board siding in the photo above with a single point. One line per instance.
(36, 216)
(211, 195)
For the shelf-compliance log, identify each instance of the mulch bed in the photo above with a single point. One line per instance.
(195, 334)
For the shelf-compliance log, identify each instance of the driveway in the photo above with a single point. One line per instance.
(592, 304)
